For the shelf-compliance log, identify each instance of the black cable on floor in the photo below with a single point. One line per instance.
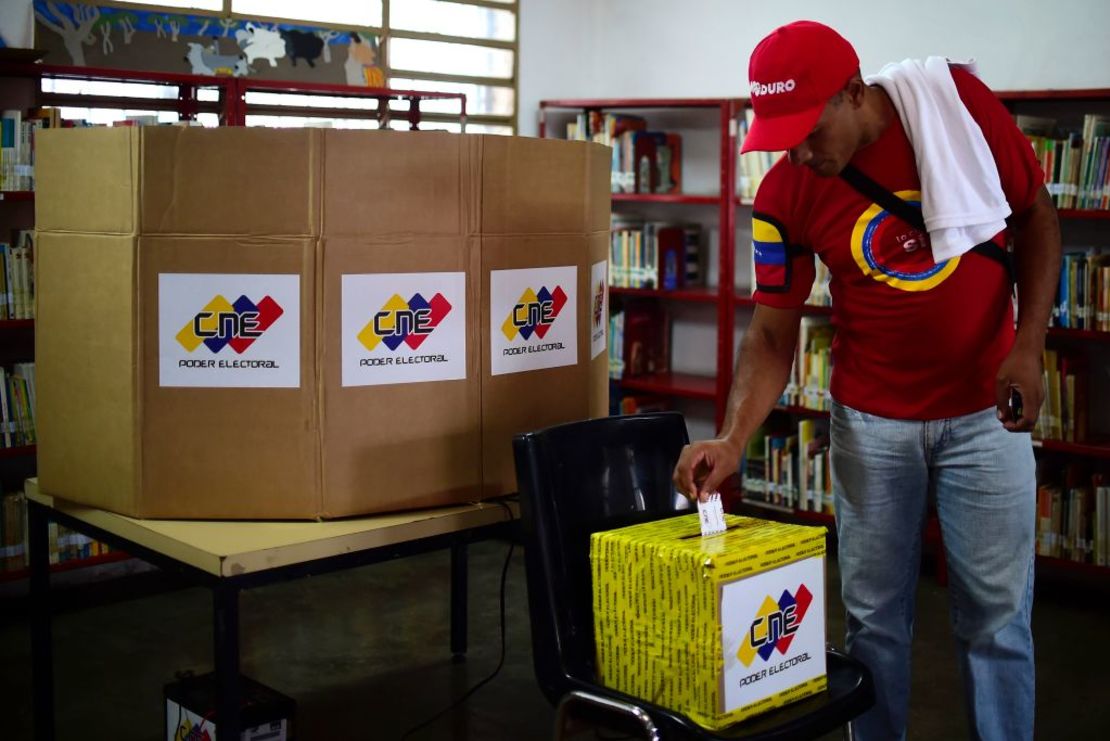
(500, 661)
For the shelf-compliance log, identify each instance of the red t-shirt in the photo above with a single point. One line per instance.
(914, 340)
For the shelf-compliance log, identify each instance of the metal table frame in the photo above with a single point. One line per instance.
(225, 601)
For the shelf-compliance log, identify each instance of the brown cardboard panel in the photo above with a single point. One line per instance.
(86, 365)
(230, 180)
(85, 180)
(530, 400)
(389, 182)
(228, 453)
(598, 190)
(542, 186)
(398, 445)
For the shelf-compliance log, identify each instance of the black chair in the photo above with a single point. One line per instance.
(579, 478)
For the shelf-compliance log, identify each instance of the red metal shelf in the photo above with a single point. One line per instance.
(1090, 450)
(819, 517)
(666, 198)
(22, 451)
(1083, 213)
(801, 411)
(16, 324)
(17, 195)
(77, 563)
(674, 384)
(1066, 565)
(739, 300)
(636, 103)
(1078, 94)
(703, 295)
(1079, 334)
(802, 515)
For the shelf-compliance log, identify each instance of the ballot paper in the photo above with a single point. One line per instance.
(712, 515)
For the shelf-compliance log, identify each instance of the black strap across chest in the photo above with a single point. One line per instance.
(912, 216)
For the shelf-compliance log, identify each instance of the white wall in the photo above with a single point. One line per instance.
(558, 39)
(653, 48)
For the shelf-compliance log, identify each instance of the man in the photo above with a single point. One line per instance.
(925, 359)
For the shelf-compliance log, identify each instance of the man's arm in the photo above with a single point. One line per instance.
(762, 370)
(1037, 255)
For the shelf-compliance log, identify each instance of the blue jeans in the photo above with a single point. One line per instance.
(984, 482)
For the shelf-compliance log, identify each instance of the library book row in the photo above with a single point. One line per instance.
(1073, 515)
(790, 470)
(1075, 162)
(643, 161)
(17, 276)
(656, 255)
(17, 406)
(1083, 296)
(65, 544)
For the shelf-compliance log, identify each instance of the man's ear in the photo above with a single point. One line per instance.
(855, 91)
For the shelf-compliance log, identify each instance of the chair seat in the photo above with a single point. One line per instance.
(848, 694)
(586, 477)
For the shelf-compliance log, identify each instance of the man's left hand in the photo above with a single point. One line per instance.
(1022, 370)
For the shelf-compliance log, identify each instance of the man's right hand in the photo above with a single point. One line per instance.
(704, 466)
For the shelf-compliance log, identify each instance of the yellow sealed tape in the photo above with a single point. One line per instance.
(718, 629)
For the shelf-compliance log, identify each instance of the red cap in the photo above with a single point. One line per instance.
(793, 73)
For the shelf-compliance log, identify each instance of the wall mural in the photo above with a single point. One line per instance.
(89, 35)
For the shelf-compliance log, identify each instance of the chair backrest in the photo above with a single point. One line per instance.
(577, 479)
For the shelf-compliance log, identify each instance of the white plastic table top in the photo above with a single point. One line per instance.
(234, 548)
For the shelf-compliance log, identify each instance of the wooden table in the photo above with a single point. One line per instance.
(229, 556)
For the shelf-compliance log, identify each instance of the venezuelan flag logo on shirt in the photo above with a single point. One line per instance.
(771, 252)
(890, 251)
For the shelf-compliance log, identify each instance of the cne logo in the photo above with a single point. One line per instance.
(404, 321)
(599, 303)
(534, 313)
(774, 625)
(222, 323)
(772, 88)
(188, 731)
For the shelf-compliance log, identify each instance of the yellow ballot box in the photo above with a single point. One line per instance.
(718, 628)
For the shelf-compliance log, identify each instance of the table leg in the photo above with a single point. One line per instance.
(225, 633)
(459, 553)
(42, 646)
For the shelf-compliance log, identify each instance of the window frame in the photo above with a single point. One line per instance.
(385, 33)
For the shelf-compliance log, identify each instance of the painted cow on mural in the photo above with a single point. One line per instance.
(208, 61)
(260, 43)
(307, 46)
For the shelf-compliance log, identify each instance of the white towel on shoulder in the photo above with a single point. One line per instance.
(961, 193)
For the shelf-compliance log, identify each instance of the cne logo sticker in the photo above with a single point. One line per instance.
(229, 330)
(774, 626)
(600, 321)
(402, 328)
(533, 319)
(223, 324)
(534, 313)
(400, 321)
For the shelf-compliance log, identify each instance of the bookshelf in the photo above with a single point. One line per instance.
(211, 101)
(709, 150)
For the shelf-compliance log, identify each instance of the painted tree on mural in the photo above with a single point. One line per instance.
(75, 30)
(104, 25)
(228, 24)
(330, 36)
(126, 21)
